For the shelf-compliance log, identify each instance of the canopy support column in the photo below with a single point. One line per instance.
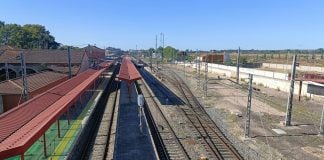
(58, 128)
(44, 143)
(68, 115)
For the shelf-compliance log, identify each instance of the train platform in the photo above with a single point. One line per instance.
(131, 141)
(49, 130)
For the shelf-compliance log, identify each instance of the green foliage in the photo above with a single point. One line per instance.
(243, 60)
(2, 24)
(151, 50)
(170, 53)
(27, 36)
(160, 49)
(65, 47)
(191, 57)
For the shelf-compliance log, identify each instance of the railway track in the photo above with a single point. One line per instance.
(169, 145)
(95, 137)
(216, 144)
(101, 146)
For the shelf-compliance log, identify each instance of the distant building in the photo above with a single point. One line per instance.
(212, 58)
(113, 51)
(227, 57)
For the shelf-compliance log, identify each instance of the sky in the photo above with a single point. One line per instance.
(186, 24)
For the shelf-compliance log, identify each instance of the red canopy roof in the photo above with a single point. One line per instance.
(128, 71)
(23, 125)
(105, 64)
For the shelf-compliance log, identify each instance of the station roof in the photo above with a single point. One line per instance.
(94, 52)
(50, 56)
(43, 56)
(128, 71)
(35, 82)
(25, 124)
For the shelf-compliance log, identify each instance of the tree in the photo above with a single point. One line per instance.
(151, 50)
(2, 23)
(11, 34)
(169, 52)
(243, 60)
(27, 36)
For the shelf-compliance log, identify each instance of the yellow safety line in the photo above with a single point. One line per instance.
(65, 140)
(68, 136)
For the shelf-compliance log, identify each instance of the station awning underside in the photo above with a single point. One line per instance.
(128, 71)
(24, 125)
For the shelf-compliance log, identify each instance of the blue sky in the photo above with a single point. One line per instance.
(187, 24)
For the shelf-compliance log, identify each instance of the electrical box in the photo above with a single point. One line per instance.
(140, 100)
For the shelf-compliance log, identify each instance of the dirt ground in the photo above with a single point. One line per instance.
(299, 141)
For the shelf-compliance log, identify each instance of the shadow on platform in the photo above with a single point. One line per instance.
(162, 93)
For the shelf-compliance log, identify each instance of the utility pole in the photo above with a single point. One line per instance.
(162, 43)
(155, 43)
(162, 68)
(7, 70)
(155, 49)
(291, 93)
(322, 125)
(137, 54)
(198, 74)
(90, 56)
(248, 110)
(151, 54)
(206, 75)
(69, 61)
(197, 61)
(184, 63)
(238, 66)
(24, 77)
(162, 54)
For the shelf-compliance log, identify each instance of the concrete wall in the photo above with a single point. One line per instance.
(224, 68)
(269, 79)
(288, 67)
